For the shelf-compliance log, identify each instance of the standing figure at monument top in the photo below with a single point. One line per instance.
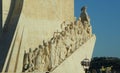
(84, 16)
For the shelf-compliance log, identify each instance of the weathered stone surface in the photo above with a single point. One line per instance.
(41, 43)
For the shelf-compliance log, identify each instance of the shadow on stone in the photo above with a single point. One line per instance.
(9, 29)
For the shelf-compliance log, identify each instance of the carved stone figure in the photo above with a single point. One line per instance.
(57, 51)
(67, 32)
(35, 53)
(84, 16)
(89, 31)
(53, 56)
(30, 56)
(30, 60)
(62, 49)
(62, 33)
(39, 61)
(47, 57)
(53, 50)
(25, 62)
(63, 25)
(71, 29)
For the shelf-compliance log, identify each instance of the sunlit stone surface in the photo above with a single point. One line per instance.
(47, 37)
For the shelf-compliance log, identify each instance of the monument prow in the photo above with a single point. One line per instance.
(72, 64)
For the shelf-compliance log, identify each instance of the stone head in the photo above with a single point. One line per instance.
(40, 47)
(83, 9)
(45, 43)
(66, 28)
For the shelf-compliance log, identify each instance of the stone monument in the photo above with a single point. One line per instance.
(44, 37)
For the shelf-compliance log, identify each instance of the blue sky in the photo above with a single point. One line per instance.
(105, 21)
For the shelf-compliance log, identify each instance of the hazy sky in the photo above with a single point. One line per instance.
(105, 21)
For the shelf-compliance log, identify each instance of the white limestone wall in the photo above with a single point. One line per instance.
(72, 64)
